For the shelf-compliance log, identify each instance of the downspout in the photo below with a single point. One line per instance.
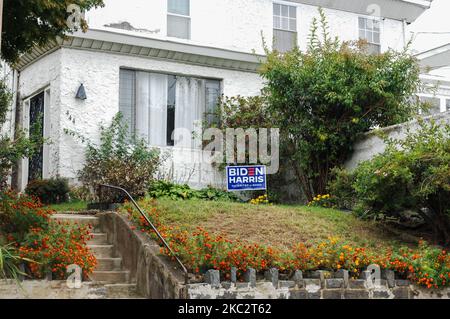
(404, 25)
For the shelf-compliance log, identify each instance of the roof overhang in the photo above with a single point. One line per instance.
(120, 43)
(408, 10)
(435, 58)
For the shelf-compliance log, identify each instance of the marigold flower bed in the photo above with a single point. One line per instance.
(51, 245)
(201, 250)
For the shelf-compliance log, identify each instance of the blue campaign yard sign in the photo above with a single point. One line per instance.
(242, 178)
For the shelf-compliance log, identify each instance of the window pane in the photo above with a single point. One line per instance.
(285, 23)
(171, 99)
(293, 12)
(376, 37)
(277, 22)
(276, 9)
(448, 104)
(178, 27)
(212, 99)
(362, 34)
(178, 7)
(369, 24)
(369, 36)
(374, 49)
(284, 40)
(285, 11)
(293, 25)
(362, 23)
(127, 98)
(376, 25)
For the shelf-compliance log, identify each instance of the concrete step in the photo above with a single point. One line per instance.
(79, 219)
(122, 291)
(102, 251)
(99, 239)
(108, 264)
(110, 276)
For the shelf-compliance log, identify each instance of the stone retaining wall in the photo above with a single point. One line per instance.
(54, 289)
(318, 285)
(154, 274)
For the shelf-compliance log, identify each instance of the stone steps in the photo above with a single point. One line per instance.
(110, 276)
(102, 251)
(105, 264)
(99, 239)
(122, 291)
(109, 273)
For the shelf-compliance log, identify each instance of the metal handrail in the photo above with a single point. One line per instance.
(186, 273)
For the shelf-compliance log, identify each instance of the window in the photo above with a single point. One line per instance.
(447, 104)
(178, 19)
(154, 105)
(369, 30)
(284, 27)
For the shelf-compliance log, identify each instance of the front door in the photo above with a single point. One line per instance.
(35, 164)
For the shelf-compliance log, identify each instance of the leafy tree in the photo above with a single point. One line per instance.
(326, 97)
(27, 23)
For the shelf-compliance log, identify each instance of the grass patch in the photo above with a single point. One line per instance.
(73, 206)
(278, 226)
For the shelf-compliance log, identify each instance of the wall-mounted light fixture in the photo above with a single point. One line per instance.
(81, 93)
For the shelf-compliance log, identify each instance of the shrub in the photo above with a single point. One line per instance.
(411, 174)
(163, 188)
(119, 160)
(341, 189)
(49, 191)
(20, 213)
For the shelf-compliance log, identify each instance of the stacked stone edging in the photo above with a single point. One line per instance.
(310, 285)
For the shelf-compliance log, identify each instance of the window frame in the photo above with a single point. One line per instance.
(219, 80)
(371, 30)
(187, 17)
(293, 31)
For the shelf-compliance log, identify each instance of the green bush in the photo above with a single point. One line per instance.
(163, 188)
(411, 174)
(19, 214)
(341, 189)
(49, 191)
(118, 160)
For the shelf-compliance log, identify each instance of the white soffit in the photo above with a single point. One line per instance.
(408, 10)
(119, 43)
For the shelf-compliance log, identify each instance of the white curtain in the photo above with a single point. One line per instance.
(189, 111)
(151, 107)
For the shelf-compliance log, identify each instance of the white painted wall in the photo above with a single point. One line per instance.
(235, 24)
(371, 144)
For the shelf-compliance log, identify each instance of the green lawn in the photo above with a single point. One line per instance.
(278, 225)
(73, 206)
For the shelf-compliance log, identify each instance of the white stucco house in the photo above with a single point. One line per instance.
(163, 63)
